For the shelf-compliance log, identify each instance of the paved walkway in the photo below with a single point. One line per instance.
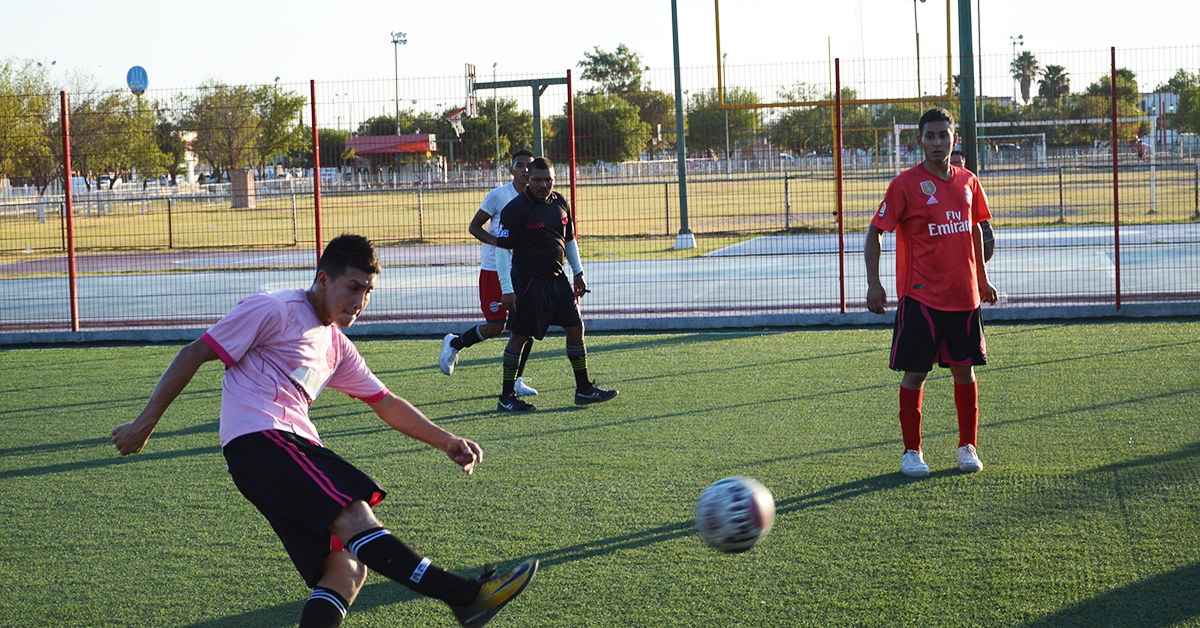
(776, 274)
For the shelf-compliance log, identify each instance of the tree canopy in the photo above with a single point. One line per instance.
(706, 119)
(607, 128)
(1025, 68)
(617, 72)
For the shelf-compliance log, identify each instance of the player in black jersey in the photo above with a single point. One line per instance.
(536, 235)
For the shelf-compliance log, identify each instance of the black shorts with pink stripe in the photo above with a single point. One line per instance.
(924, 336)
(300, 487)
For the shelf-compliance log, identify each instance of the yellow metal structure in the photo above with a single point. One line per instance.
(826, 103)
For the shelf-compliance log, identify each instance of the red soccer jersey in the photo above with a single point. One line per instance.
(935, 253)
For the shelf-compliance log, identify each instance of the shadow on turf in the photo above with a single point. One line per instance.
(382, 593)
(548, 349)
(1168, 599)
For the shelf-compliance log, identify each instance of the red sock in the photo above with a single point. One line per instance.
(966, 400)
(910, 417)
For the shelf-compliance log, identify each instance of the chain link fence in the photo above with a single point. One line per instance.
(179, 203)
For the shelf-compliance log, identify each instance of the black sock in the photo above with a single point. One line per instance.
(577, 354)
(467, 338)
(509, 381)
(389, 557)
(325, 609)
(525, 356)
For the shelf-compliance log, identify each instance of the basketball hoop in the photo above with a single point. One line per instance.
(455, 120)
(472, 102)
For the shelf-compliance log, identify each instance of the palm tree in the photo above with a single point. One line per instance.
(1056, 83)
(1024, 68)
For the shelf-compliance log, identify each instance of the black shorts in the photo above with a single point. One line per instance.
(542, 303)
(300, 487)
(924, 336)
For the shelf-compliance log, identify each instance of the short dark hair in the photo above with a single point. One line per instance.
(937, 114)
(957, 151)
(522, 153)
(349, 251)
(541, 163)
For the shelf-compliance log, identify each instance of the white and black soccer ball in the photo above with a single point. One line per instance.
(733, 514)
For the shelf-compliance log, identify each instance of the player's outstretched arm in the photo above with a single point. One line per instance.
(130, 438)
(408, 420)
(872, 249)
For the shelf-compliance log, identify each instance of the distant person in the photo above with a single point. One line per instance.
(935, 210)
(989, 237)
(536, 235)
(494, 314)
(280, 350)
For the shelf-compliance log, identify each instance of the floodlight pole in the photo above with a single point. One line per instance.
(917, 34)
(685, 239)
(725, 73)
(966, 96)
(496, 122)
(1016, 41)
(398, 39)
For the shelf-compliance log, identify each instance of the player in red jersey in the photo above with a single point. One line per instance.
(935, 210)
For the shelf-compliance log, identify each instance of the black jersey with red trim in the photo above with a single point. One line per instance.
(537, 233)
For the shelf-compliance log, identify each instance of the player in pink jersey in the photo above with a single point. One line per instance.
(935, 210)
(280, 350)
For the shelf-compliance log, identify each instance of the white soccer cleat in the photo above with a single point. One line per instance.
(968, 460)
(912, 464)
(522, 388)
(449, 355)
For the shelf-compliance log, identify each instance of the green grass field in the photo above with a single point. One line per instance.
(1087, 512)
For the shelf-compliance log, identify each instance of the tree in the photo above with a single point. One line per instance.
(28, 122)
(607, 128)
(617, 72)
(279, 116)
(706, 119)
(1186, 118)
(169, 137)
(807, 129)
(1024, 69)
(1055, 84)
(227, 125)
(1096, 103)
(657, 110)
(1127, 87)
(135, 147)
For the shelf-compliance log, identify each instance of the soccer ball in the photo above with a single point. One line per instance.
(734, 513)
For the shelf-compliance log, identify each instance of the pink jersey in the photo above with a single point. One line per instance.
(278, 358)
(935, 251)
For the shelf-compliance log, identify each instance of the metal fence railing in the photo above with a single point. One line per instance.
(184, 201)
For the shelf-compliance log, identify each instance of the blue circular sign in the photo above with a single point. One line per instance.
(137, 79)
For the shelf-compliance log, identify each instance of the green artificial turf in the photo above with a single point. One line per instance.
(1087, 512)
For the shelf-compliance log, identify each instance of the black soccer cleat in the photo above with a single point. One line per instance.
(513, 403)
(593, 395)
(494, 593)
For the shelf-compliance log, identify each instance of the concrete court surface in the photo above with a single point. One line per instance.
(777, 275)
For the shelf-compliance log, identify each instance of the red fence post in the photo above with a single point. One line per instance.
(571, 146)
(837, 160)
(72, 279)
(316, 146)
(1116, 187)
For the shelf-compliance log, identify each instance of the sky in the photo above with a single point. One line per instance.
(183, 44)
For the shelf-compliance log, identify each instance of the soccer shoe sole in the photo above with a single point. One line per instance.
(449, 356)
